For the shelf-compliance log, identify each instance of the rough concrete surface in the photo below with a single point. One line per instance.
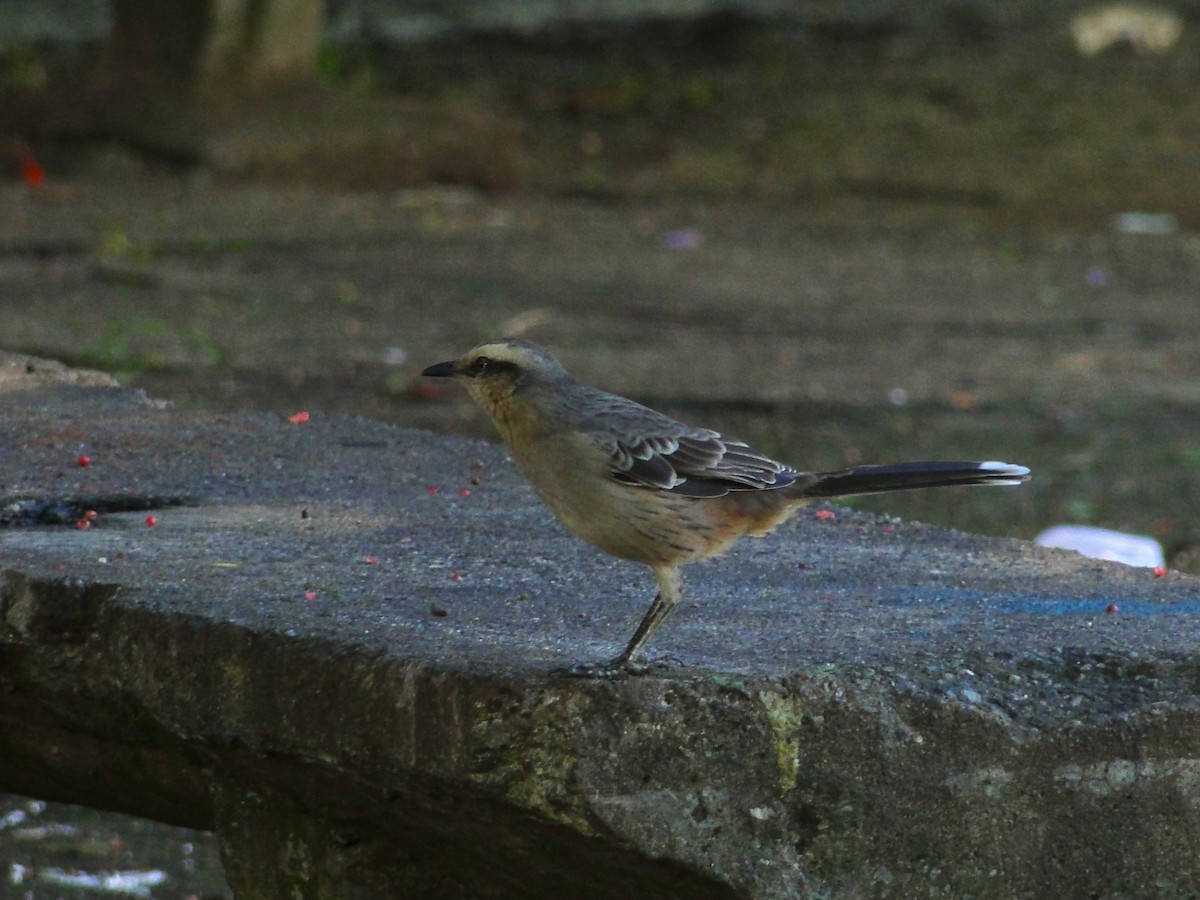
(338, 644)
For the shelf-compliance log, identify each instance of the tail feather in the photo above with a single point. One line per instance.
(910, 475)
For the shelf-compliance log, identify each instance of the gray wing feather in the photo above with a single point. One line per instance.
(657, 452)
(647, 449)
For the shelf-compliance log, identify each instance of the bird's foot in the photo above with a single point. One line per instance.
(619, 667)
(613, 669)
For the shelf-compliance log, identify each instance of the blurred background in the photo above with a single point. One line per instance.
(847, 232)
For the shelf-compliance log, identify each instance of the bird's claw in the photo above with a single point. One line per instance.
(619, 667)
(610, 670)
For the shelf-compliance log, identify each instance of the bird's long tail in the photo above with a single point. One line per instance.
(909, 475)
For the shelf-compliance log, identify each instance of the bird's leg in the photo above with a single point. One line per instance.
(670, 591)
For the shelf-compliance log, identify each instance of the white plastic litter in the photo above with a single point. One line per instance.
(1145, 223)
(1147, 29)
(1103, 543)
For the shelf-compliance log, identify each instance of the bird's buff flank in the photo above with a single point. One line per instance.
(642, 486)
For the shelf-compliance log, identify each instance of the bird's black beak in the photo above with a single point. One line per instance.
(441, 370)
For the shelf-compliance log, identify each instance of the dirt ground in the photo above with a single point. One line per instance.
(842, 246)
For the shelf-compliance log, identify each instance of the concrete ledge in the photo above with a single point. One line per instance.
(348, 674)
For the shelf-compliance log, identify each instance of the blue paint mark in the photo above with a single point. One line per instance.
(1138, 609)
(1046, 604)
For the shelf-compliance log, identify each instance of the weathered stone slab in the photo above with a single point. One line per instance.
(337, 643)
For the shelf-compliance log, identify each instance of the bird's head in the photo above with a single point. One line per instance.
(492, 372)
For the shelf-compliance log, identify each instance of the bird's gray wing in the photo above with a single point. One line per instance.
(648, 449)
(700, 463)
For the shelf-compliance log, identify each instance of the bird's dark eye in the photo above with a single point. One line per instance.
(486, 365)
